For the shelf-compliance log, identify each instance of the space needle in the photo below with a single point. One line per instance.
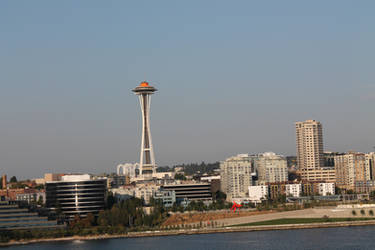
(147, 158)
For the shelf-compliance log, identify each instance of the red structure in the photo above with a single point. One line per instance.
(235, 206)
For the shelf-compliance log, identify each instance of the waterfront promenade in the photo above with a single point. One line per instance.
(331, 212)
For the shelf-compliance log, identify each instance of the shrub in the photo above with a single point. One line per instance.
(326, 218)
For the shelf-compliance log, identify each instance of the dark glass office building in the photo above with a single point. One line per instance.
(191, 191)
(76, 196)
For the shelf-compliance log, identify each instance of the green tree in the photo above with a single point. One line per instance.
(103, 219)
(181, 209)
(338, 190)
(219, 195)
(39, 187)
(40, 200)
(350, 191)
(110, 200)
(179, 176)
(13, 179)
(174, 207)
(89, 221)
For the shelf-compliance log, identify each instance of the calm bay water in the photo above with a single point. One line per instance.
(324, 238)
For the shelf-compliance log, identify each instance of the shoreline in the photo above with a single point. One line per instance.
(231, 229)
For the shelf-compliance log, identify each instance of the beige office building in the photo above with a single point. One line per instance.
(351, 168)
(309, 145)
(323, 174)
(310, 158)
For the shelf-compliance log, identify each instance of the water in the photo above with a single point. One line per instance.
(322, 238)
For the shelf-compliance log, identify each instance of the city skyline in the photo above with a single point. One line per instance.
(235, 79)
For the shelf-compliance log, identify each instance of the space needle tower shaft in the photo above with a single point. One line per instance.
(147, 157)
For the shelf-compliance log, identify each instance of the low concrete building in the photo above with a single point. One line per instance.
(210, 178)
(141, 191)
(145, 192)
(22, 194)
(326, 189)
(258, 193)
(31, 196)
(116, 181)
(52, 177)
(168, 198)
(293, 190)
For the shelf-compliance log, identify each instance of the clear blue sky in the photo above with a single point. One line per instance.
(233, 77)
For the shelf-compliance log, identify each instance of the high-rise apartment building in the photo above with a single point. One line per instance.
(351, 168)
(310, 158)
(329, 159)
(309, 145)
(271, 168)
(236, 176)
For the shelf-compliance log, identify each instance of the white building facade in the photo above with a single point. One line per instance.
(271, 168)
(293, 190)
(145, 192)
(128, 169)
(236, 176)
(326, 189)
(258, 193)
